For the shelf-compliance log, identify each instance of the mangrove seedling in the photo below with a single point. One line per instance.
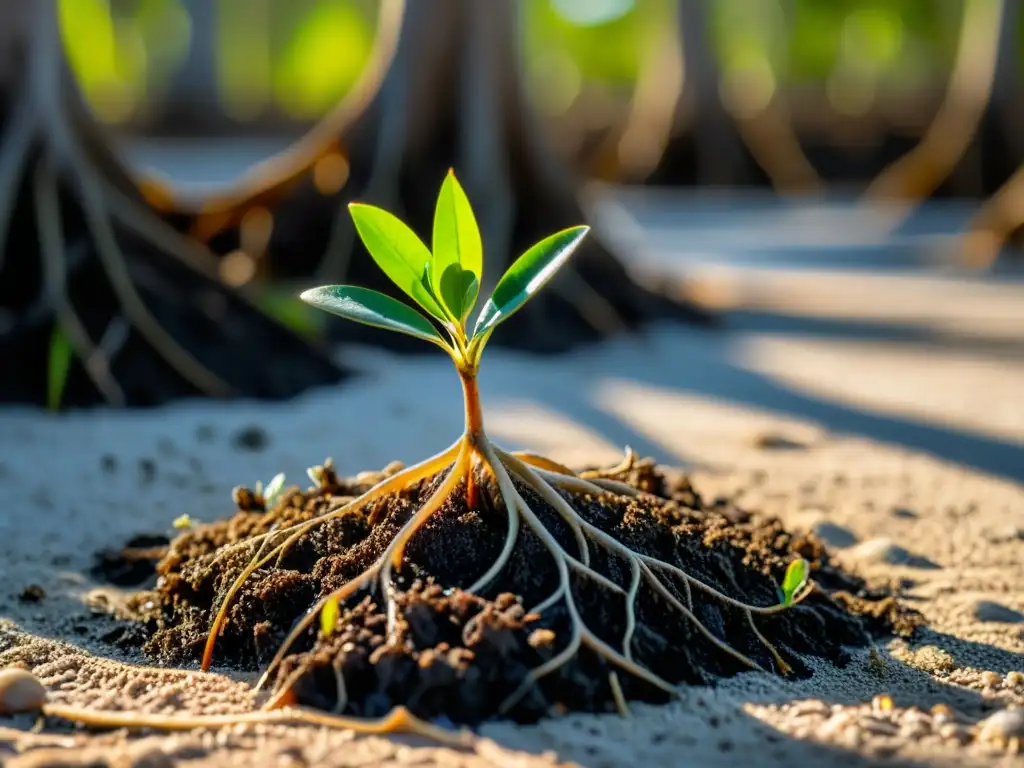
(444, 281)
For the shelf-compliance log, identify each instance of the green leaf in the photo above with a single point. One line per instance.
(372, 308)
(59, 365)
(458, 251)
(795, 580)
(398, 252)
(329, 615)
(527, 275)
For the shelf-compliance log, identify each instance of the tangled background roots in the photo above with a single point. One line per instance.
(460, 656)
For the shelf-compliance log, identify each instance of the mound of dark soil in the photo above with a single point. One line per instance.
(457, 655)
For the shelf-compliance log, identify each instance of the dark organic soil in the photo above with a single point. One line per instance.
(134, 563)
(458, 655)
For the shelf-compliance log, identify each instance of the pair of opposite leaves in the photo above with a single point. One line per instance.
(445, 282)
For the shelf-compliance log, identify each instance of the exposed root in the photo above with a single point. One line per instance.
(135, 309)
(392, 484)
(772, 140)
(380, 570)
(652, 110)
(52, 146)
(620, 700)
(540, 476)
(51, 246)
(271, 179)
(914, 176)
(14, 149)
(542, 462)
(994, 223)
(629, 461)
(399, 720)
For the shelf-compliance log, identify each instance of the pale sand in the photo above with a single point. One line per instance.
(919, 441)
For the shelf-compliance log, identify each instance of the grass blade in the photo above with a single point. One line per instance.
(59, 366)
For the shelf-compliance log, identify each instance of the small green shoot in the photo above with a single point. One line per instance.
(329, 615)
(794, 582)
(274, 488)
(184, 522)
(444, 282)
(59, 365)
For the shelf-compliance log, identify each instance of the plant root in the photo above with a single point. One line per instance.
(993, 224)
(396, 482)
(548, 480)
(399, 720)
(908, 181)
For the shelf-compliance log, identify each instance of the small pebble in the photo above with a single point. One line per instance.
(1014, 680)
(810, 707)
(916, 716)
(914, 729)
(839, 722)
(990, 679)
(879, 727)
(954, 732)
(20, 691)
(987, 610)
(541, 638)
(369, 477)
(1002, 727)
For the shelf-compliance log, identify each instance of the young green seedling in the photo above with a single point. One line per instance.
(329, 616)
(59, 365)
(273, 491)
(444, 281)
(794, 582)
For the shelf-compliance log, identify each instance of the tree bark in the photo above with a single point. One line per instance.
(141, 307)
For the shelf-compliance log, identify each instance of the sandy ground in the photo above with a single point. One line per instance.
(898, 436)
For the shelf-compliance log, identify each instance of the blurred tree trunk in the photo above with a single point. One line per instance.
(1006, 89)
(140, 307)
(192, 99)
(453, 96)
(719, 153)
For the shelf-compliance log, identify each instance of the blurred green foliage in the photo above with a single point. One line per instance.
(298, 57)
